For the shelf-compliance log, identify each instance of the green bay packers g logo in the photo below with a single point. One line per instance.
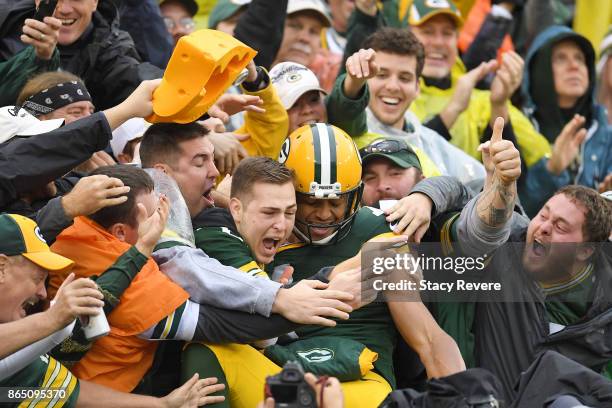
(39, 234)
(437, 4)
(317, 355)
(284, 151)
(294, 77)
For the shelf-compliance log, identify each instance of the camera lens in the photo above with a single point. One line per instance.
(305, 399)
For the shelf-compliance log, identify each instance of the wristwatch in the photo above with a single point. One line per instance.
(259, 83)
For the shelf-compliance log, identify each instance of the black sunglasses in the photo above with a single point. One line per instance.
(386, 146)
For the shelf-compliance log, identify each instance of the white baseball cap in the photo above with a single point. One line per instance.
(292, 80)
(315, 5)
(130, 130)
(15, 121)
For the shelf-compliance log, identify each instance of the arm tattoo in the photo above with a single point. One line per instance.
(496, 203)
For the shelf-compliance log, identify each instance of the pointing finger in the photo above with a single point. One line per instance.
(365, 69)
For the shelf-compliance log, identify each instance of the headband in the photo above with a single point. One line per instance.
(56, 97)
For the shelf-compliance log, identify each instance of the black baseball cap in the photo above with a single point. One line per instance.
(190, 5)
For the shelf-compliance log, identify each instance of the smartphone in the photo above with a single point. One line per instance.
(46, 8)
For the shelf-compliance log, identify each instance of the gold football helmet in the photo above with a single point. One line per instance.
(327, 165)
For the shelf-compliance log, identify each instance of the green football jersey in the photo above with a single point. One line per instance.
(568, 302)
(371, 325)
(455, 318)
(221, 240)
(62, 388)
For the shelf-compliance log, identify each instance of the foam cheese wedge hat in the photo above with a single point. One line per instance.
(203, 65)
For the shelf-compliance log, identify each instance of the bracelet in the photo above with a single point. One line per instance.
(256, 84)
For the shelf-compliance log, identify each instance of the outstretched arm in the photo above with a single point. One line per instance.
(304, 303)
(194, 393)
(138, 105)
(429, 198)
(192, 321)
(437, 350)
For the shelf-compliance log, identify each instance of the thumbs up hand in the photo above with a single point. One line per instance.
(500, 157)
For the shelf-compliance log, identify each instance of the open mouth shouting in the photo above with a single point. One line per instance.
(268, 247)
(210, 202)
(27, 305)
(538, 249)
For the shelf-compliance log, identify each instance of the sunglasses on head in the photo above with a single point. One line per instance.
(385, 146)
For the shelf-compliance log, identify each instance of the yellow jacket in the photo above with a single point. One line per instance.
(267, 130)
(470, 125)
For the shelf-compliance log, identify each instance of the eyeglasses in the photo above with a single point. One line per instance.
(385, 146)
(186, 22)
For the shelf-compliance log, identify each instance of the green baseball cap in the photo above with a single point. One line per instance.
(223, 10)
(395, 150)
(423, 10)
(21, 236)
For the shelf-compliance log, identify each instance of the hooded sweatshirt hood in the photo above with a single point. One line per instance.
(538, 83)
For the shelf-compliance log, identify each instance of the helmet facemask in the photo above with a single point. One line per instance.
(303, 230)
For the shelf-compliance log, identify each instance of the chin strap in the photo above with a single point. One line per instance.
(307, 239)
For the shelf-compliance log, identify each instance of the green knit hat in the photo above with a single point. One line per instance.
(423, 10)
(223, 10)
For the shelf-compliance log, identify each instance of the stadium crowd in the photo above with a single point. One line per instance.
(223, 247)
